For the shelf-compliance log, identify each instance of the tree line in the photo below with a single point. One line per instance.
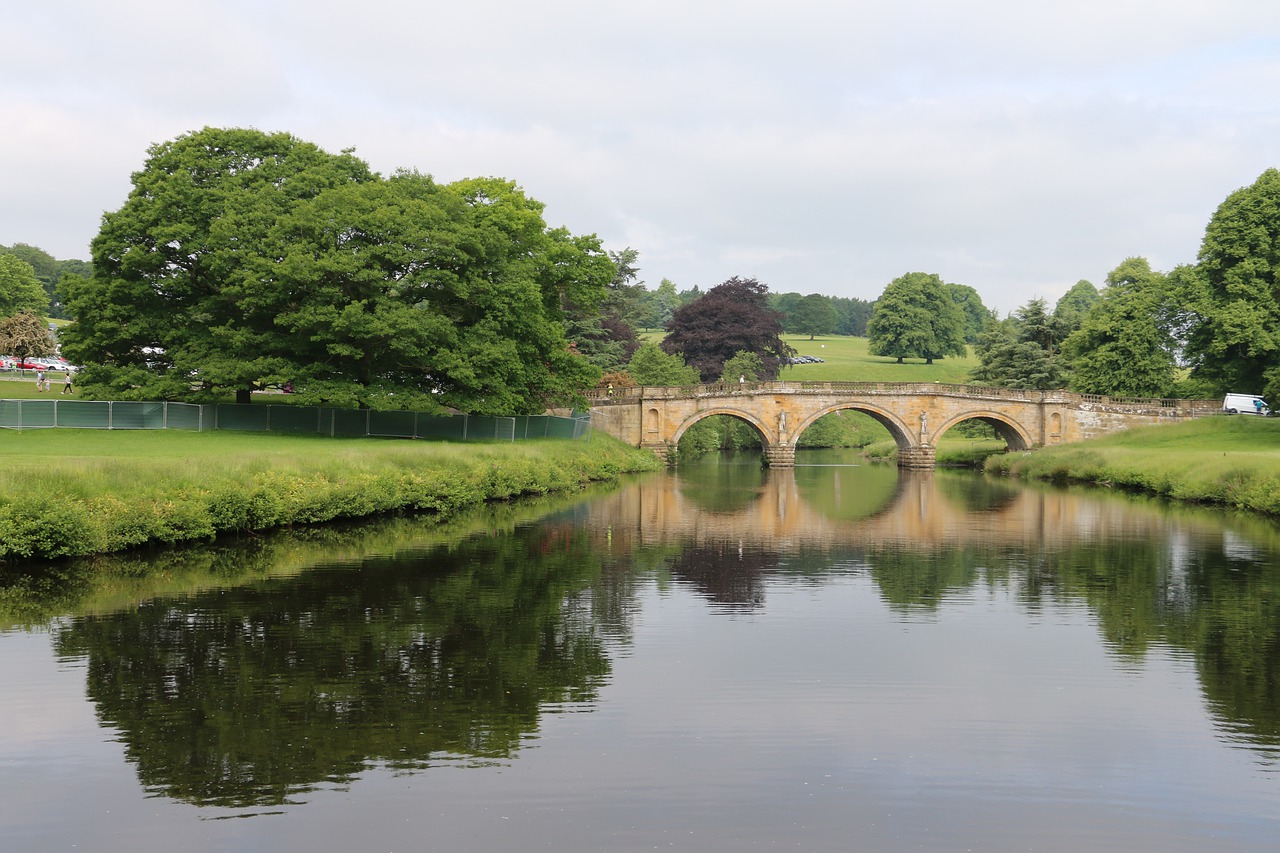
(244, 261)
(1200, 330)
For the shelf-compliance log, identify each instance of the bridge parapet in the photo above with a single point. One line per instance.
(935, 389)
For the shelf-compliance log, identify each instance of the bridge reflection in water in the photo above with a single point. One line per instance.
(855, 506)
(1151, 574)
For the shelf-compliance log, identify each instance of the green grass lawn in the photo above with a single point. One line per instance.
(14, 386)
(847, 360)
(1231, 460)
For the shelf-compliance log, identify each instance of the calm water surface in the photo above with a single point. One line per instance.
(835, 658)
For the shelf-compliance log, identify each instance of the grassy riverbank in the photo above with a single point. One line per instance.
(77, 492)
(1232, 461)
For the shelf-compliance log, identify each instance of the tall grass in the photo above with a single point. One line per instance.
(1232, 461)
(77, 492)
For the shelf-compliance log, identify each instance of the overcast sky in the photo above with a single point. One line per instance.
(826, 147)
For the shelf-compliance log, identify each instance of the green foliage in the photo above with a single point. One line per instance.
(916, 317)
(245, 260)
(20, 290)
(975, 314)
(814, 315)
(855, 314)
(841, 429)
(743, 366)
(651, 366)
(49, 272)
(666, 301)
(1020, 351)
(716, 434)
(1234, 334)
(1074, 306)
(1123, 347)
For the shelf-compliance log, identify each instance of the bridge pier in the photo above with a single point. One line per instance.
(780, 455)
(663, 451)
(920, 456)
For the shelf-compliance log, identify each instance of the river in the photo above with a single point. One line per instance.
(839, 657)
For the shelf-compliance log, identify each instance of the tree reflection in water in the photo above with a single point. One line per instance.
(251, 695)
(259, 689)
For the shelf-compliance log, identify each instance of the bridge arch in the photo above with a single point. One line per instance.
(1014, 434)
(900, 432)
(767, 439)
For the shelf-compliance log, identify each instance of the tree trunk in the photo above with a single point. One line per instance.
(243, 397)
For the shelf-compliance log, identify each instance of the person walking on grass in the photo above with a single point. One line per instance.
(66, 385)
(39, 380)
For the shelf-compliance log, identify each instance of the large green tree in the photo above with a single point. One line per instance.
(1074, 306)
(20, 289)
(1021, 351)
(975, 314)
(49, 271)
(1234, 289)
(731, 317)
(814, 315)
(651, 366)
(916, 317)
(243, 260)
(1124, 346)
(603, 332)
(174, 303)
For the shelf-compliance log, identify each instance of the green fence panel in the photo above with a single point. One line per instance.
(349, 422)
(442, 427)
(134, 415)
(36, 414)
(294, 419)
(188, 416)
(533, 426)
(248, 418)
(563, 428)
(486, 427)
(84, 414)
(393, 424)
(11, 414)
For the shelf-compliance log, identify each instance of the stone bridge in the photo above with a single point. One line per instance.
(915, 414)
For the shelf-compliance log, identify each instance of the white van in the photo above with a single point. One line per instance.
(1248, 404)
